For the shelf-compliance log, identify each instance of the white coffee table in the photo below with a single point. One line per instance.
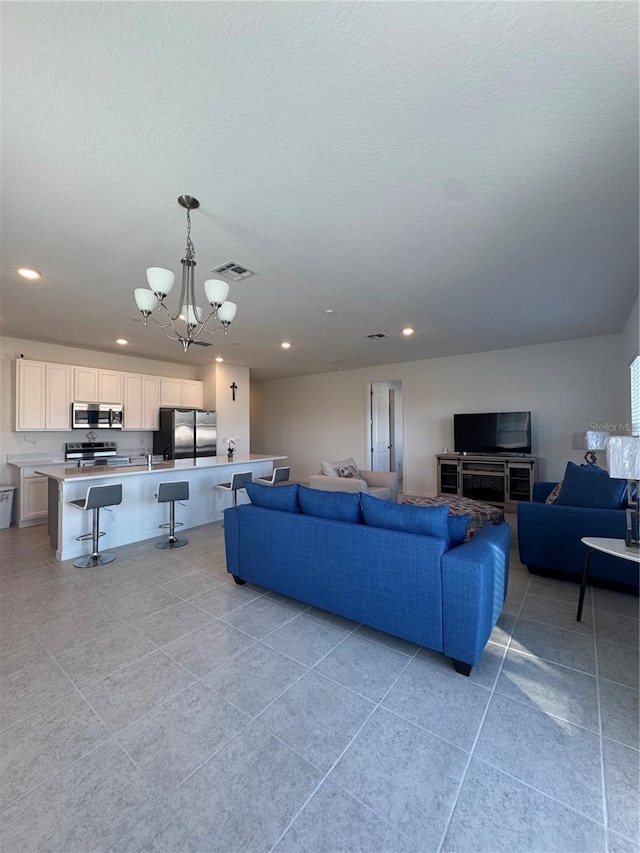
(614, 547)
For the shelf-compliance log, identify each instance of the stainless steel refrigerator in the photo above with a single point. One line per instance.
(185, 434)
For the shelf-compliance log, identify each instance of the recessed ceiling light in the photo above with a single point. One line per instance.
(329, 311)
(285, 345)
(407, 331)
(219, 359)
(122, 341)
(27, 272)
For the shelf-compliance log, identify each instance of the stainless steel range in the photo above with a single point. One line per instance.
(91, 453)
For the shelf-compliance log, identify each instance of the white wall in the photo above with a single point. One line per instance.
(567, 385)
(232, 415)
(47, 443)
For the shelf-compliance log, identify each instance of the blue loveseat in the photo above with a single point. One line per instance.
(403, 570)
(590, 503)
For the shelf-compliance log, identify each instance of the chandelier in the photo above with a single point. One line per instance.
(189, 321)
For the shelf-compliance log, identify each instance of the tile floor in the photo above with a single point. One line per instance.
(153, 705)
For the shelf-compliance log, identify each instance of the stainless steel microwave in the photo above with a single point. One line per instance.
(97, 416)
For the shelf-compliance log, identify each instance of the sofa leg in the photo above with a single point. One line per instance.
(461, 667)
(238, 580)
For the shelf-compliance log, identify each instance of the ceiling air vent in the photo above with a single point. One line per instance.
(377, 335)
(234, 271)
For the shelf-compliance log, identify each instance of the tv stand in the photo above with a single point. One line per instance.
(502, 480)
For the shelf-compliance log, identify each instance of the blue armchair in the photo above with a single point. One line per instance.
(549, 538)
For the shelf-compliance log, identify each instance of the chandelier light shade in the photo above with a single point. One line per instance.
(590, 441)
(623, 461)
(189, 322)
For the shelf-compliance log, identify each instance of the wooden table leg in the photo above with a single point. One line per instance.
(583, 585)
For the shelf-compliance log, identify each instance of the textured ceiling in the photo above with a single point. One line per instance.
(469, 168)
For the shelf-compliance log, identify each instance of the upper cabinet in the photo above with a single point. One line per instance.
(43, 395)
(192, 393)
(45, 391)
(92, 385)
(58, 397)
(171, 392)
(30, 394)
(182, 393)
(141, 401)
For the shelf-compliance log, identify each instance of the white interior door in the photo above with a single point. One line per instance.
(380, 427)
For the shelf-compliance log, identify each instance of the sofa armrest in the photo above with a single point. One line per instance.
(474, 585)
(337, 484)
(385, 479)
(549, 536)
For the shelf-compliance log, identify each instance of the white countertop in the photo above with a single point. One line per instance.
(65, 474)
(26, 461)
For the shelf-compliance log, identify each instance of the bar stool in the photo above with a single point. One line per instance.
(279, 475)
(237, 482)
(98, 497)
(170, 493)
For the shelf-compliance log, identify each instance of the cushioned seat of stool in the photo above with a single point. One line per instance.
(99, 496)
(238, 481)
(279, 475)
(170, 492)
(178, 491)
(96, 499)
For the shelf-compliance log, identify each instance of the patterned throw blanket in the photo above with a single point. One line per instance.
(479, 513)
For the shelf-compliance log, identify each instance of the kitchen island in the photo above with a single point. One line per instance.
(139, 515)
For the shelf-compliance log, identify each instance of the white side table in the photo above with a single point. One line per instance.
(614, 547)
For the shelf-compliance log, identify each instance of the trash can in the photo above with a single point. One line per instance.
(6, 505)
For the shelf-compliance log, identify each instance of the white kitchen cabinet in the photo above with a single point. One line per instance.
(132, 401)
(141, 401)
(30, 395)
(150, 402)
(182, 393)
(192, 393)
(32, 497)
(43, 395)
(85, 385)
(58, 396)
(93, 385)
(171, 392)
(110, 386)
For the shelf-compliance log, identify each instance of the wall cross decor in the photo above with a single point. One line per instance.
(234, 388)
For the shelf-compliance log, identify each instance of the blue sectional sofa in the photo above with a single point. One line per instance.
(589, 503)
(403, 570)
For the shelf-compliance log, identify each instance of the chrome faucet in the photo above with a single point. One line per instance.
(91, 436)
(148, 456)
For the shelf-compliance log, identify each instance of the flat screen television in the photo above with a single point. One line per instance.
(492, 432)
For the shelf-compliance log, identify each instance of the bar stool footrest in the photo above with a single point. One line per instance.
(86, 536)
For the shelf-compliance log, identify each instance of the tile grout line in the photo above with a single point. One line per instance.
(480, 725)
(603, 776)
(339, 757)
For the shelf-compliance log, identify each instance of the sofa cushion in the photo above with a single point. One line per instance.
(284, 498)
(428, 521)
(591, 487)
(331, 469)
(341, 506)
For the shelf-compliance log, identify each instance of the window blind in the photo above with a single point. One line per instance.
(635, 395)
